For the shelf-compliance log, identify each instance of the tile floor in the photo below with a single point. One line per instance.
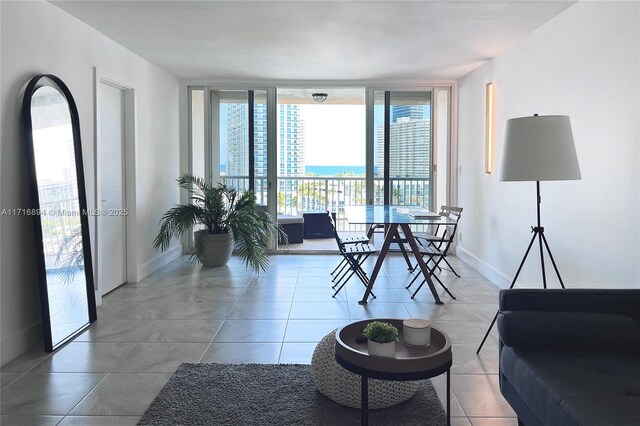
(183, 313)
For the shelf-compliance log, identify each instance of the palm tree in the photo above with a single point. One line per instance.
(221, 210)
(70, 255)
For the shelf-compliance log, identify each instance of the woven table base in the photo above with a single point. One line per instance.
(343, 387)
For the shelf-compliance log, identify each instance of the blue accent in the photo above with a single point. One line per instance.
(335, 170)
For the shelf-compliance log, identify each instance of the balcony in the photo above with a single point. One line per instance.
(333, 193)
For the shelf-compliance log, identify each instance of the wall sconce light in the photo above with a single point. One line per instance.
(488, 130)
(319, 97)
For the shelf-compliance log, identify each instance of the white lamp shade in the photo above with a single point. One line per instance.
(539, 148)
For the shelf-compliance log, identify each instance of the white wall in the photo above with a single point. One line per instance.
(583, 63)
(37, 37)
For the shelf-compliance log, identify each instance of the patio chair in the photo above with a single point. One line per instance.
(449, 213)
(435, 250)
(354, 255)
(357, 239)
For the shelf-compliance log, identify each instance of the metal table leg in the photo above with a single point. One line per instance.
(449, 397)
(398, 241)
(406, 229)
(364, 401)
(376, 269)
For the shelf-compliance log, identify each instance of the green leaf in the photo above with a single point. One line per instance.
(381, 332)
(220, 209)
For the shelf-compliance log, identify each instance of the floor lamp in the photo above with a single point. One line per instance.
(537, 148)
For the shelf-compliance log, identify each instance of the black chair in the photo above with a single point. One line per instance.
(354, 255)
(435, 250)
(448, 213)
(357, 239)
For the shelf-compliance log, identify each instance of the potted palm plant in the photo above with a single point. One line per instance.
(229, 219)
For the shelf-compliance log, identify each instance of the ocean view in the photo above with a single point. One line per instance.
(334, 170)
(325, 170)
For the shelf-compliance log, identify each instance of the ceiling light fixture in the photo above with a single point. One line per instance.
(319, 97)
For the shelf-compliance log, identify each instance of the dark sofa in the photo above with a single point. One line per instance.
(571, 357)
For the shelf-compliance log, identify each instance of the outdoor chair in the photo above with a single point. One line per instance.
(448, 213)
(434, 250)
(354, 255)
(357, 239)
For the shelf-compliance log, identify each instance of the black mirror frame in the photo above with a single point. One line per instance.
(32, 86)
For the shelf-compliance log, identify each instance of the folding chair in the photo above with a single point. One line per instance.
(357, 239)
(354, 255)
(449, 213)
(435, 250)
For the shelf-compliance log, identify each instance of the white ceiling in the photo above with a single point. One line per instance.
(373, 41)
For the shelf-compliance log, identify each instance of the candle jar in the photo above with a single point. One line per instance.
(417, 332)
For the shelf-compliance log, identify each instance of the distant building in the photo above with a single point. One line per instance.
(290, 140)
(412, 112)
(410, 150)
(238, 140)
(290, 151)
(290, 147)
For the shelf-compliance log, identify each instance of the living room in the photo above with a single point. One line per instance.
(575, 59)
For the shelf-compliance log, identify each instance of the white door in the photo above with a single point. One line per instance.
(112, 220)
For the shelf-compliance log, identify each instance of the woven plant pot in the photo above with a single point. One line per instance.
(217, 250)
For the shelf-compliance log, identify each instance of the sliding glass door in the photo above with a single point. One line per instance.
(403, 146)
(298, 153)
(321, 150)
(240, 124)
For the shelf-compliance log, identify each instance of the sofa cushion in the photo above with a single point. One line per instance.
(575, 387)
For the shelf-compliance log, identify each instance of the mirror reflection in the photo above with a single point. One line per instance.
(55, 167)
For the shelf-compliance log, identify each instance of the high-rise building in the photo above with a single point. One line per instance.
(238, 139)
(412, 112)
(290, 140)
(290, 152)
(409, 151)
(260, 140)
(410, 136)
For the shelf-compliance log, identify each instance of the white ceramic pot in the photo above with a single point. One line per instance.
(218, 249)
(382, 349)
(416, 332)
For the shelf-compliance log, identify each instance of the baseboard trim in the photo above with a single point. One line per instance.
(486, 270)
(159, 261)
(18, 343)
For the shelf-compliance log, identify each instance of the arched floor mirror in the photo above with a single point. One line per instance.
(59, 210)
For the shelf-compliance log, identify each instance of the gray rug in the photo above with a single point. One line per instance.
(267, 394)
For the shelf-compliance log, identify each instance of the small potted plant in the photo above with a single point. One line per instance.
(381, 338)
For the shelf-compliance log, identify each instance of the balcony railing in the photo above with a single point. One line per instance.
(310, 193)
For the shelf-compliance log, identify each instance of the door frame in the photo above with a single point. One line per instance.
(212, 133)
(129, 168)
(271, 88)
(371, 134)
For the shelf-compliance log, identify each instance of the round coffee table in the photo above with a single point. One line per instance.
(407, 364)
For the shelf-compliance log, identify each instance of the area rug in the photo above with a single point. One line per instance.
(268, 394)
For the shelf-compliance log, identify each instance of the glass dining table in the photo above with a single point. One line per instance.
(394, 219)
